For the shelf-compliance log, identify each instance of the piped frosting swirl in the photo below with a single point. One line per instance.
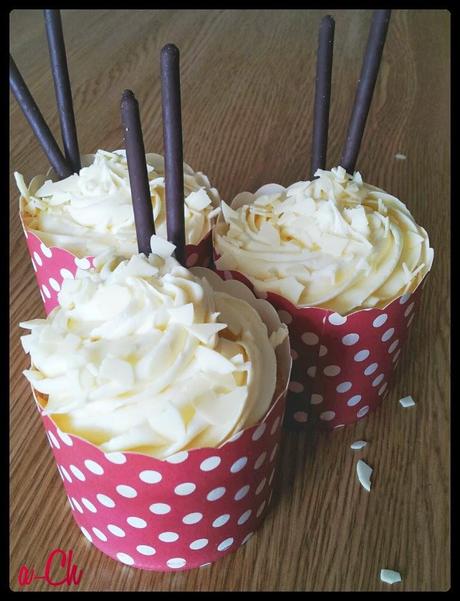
(333, 242)
(90, 212)
(142, 355)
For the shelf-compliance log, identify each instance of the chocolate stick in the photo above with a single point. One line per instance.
(172, 140)
(137, 168)
(36, 121)
(62, 88)
(322, 93)
(365, 90)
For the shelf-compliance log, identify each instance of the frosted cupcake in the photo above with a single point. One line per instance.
(326, 251)
(164, 384)
(91, 212)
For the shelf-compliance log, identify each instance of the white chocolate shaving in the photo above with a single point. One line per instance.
(364, 474)
(407, 401)
(359, 444)
(333, 242)
(390, 576)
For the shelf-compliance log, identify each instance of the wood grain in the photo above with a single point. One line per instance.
(247, 100)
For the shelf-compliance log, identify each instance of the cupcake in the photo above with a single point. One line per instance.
(340, 260)
(90, 212)
(161, 392)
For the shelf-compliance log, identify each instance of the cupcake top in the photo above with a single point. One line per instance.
(334, 242)
(91, 211)
(141, 355)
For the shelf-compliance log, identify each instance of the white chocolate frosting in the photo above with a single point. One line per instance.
(89, 212)
(333, 242)
(141, 355)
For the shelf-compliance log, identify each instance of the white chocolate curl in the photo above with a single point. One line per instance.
(334, 242)
(141, 355)
(89, 212)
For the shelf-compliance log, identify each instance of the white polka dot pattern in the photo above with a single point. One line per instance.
(388, 334)
(94, 467)
(244, 517)
(239, 465)
(380, 320)
(192, 259)
(301, 416)
(350, 339)
(310, 338)
(338, 360)
(37, 259)
(87, 503)
(54, 284)
(160, 508)
(199, 543)
(145, 550)
(225, 544)
(66, 274)
(327, 416)
(118, 458)
(105, 500)
(393, 345)
(47, 252)
(258, 432)
(192, 518)
(178, 457)
(125, 558)
(296, 386)
(370, 369)
(100, 535)
(216, 493)
(331, 370)
(354, 400)
(185, 488)
(136, 522)
(176, 514)
(341, 364)
(336, 319)
(311, 371)
(362, 355)
(77, 472)
(242, 493)
(150, 476)
(115, 530)
(210, 464)
(344, 387)
(126, 491)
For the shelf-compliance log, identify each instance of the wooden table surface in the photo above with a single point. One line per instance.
(247, 93)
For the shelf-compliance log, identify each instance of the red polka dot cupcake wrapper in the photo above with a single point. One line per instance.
(175, 514)
(342, 366)
(52, 265)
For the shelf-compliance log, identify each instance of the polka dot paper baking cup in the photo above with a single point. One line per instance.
(342, 366)
(52, 265)
(183, 512)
